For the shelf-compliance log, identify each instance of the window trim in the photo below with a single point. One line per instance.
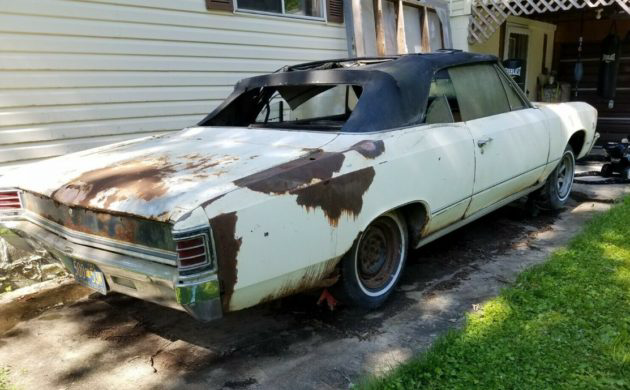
(283, 14)
(507, 80)
(493, 65)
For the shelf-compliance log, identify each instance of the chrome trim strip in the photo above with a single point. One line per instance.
(133, 250)
(190, 247)
(192, 257)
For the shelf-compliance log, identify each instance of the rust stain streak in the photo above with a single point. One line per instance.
(227, 248)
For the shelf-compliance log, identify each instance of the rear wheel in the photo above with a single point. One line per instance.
(556, 191)
(372, 267)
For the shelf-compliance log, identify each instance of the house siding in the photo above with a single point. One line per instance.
(79, 74)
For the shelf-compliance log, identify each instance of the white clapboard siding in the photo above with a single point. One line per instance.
(76, 74)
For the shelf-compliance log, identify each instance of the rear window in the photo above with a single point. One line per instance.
(308, 106)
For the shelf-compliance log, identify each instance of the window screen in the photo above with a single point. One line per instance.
(516, 102)
(479, 91)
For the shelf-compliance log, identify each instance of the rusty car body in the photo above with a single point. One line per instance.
(264, 198)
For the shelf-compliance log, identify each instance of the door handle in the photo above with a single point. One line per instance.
(483, 141)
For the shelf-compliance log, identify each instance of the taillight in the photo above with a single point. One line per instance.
(192, 250)
(10, 200)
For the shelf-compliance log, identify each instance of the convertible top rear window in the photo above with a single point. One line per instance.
(313, 107)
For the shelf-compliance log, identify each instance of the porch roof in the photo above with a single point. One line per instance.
(488, 15)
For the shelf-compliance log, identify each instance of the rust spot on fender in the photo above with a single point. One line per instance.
(339, 195)
(283, 178)
(227, 248)
(369, 149)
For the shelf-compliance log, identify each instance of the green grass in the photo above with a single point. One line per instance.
(563, 325)
(4, 381)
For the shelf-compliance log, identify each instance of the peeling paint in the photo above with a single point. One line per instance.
(142, 178)
(342, 194)
(227, 248)
(145, 178)
(369, 149)
(283, 178)
(310, 177)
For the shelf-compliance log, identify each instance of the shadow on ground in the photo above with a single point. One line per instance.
(173, 343)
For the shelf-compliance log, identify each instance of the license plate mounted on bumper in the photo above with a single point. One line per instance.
(87, 274)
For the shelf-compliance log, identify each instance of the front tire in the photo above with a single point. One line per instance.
(372, 268)
(555, 193)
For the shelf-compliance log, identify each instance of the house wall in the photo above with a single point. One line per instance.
(78, 74)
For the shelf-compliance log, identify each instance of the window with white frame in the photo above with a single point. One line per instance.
(299, 8)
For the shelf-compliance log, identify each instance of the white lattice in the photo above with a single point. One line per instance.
(488, 15)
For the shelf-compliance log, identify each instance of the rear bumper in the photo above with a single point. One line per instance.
(198, 294)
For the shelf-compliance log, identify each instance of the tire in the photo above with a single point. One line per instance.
(371, 269)
(556, 190)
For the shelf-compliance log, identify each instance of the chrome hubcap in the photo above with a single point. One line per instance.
(564, 176)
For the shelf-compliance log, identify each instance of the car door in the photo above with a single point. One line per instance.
(451, 160)
(510, 138)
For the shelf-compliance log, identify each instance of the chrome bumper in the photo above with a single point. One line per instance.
(198, 294)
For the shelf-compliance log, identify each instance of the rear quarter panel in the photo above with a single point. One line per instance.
(273, 241)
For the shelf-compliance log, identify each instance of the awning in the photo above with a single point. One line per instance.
(488, 15)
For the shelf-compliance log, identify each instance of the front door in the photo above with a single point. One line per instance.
(510, 138)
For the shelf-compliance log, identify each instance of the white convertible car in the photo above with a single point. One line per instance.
(319, 174)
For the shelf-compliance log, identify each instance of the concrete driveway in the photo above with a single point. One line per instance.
(116, 342)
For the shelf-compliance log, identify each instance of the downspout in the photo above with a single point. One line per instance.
(349, 21)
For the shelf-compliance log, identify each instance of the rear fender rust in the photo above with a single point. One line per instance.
(227, 249)
(281, 179)
(117, 226)
(341, 195)
(310, 178)
(316, 276)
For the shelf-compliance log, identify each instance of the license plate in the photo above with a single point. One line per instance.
(90, 276)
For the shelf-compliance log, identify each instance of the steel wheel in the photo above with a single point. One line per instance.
(555, 192)
(378, 255)
(564, 176)
(372, 267)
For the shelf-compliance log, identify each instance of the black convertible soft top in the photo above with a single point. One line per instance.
(394, 89)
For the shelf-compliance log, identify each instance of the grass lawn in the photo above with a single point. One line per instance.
(4, 382)
(564, 325)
